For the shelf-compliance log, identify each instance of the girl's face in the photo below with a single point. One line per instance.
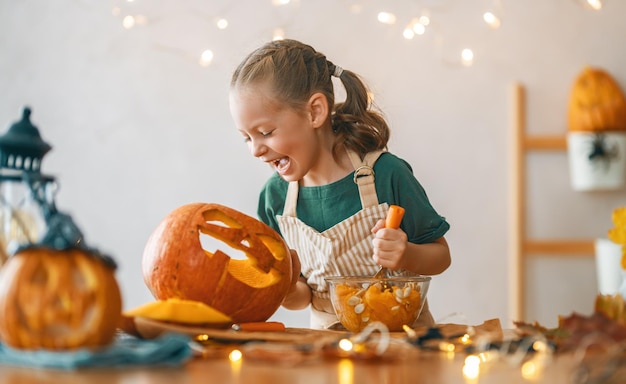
(283, 137)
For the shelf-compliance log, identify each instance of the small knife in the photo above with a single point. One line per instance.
(262, 326)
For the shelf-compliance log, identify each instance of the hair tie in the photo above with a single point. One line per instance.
(337, 71)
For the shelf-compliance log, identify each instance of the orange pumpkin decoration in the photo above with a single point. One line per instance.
(596, 103)
(58, 299)
(249, 289)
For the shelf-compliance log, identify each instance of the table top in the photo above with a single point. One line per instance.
(430, 367)
(307, 356)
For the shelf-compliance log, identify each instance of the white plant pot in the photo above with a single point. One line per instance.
(608, 266)
(597, 161)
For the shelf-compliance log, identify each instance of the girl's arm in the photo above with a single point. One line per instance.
(299, 296)
(426, 259)
(393, 250)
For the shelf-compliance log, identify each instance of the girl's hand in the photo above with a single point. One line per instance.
(389, 246)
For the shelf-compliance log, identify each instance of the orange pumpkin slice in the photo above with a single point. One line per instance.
(180, 311)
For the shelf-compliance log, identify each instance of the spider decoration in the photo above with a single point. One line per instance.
(601, 152)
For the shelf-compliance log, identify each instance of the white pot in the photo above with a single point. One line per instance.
(597, 161)
(608, 266)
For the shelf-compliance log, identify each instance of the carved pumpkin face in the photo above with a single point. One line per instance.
(596, 103)
(175, 264)
(58, 299)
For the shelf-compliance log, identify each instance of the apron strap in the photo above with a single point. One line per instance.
(291, 200)
(363, 177)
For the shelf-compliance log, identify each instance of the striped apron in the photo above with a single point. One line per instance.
(343, 250)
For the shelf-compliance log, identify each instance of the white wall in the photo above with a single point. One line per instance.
(139, 128)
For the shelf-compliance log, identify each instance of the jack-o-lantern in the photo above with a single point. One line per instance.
(596, 103)
(177, 265)
(58, 299)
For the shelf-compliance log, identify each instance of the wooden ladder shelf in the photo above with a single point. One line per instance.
(522, 246)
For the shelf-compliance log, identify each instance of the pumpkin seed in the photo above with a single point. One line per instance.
(354, 300)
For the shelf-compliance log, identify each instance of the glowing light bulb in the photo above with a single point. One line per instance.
(206, 58)
(128, 22)
(540, 346)
(386, 17)
(471, 368)
(419, 28)
(530, 370)
(345, 345)
(467, 57)
(492, 20)
(235, 355)
(222, 23)
(424, 20)
(596, 5)
(408, 33)
(446, 347)
(280, 2)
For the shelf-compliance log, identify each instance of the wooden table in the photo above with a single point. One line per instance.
(412, 367)
(285, 361)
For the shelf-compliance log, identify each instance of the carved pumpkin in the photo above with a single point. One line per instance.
(58, 299)
(596, 103)
(248, 289)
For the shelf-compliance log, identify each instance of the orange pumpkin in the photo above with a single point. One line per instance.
(58, 299)
(176, 265)
(596, 103)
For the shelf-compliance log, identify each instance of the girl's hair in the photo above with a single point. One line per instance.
(295, 71)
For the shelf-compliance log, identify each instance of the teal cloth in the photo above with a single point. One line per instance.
(168, 350)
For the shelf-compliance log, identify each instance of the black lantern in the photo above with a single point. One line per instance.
(25, 193)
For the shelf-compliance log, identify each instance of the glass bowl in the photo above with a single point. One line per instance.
(393, 301)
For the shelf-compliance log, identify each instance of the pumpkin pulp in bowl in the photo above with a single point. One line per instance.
(361, 300)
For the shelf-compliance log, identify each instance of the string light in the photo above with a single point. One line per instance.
(415, 27)
(345, 345)
(408, 33)
(492, 20)
(471, 367)
(386, 18)
(235, 355)
(206, 58)
(467, 57)
(222, 23)
(236, 358)
(596, 5)
(128, 21)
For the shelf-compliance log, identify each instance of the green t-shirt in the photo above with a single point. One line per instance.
(322, 207)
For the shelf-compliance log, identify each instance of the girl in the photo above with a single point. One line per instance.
(334, 180)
